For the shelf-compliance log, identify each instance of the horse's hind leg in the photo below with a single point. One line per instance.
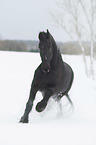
(60, 105)
(69, 99)
(61, 95)
(60, 109)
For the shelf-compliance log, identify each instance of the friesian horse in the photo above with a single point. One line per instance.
(53, 77)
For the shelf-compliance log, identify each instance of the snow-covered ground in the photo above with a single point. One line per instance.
(48, 127)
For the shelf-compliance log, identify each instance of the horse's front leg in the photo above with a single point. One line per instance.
(29, 105)
(43, 103)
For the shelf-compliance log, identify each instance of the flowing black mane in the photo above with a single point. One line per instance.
(53, 77)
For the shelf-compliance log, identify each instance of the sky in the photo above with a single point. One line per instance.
(24, 19)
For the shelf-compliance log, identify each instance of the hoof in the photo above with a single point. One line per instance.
(24, 120)
(41, 106)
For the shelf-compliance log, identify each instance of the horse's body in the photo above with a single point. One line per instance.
(53, 77)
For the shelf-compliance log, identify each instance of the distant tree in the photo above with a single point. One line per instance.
(78, 19)
(90, 16)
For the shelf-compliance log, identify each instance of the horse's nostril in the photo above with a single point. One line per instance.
(46, 70)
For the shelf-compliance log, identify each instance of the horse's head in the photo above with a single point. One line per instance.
(46, 52)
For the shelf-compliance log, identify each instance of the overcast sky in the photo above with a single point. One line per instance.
(24, 19)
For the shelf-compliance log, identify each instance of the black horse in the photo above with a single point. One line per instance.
(53, 77)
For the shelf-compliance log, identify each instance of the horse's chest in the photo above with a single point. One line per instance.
(48, 81)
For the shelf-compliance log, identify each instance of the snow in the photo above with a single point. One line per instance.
(48, 127)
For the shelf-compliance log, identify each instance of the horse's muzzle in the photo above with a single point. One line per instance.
(45, 69)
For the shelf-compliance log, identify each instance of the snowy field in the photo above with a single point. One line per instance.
(48, 127)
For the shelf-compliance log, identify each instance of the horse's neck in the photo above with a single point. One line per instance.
(56, 59)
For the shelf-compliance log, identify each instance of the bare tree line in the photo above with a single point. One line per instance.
(11, 45)
(78, 19)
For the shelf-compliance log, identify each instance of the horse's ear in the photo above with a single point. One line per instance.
(48, 34)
